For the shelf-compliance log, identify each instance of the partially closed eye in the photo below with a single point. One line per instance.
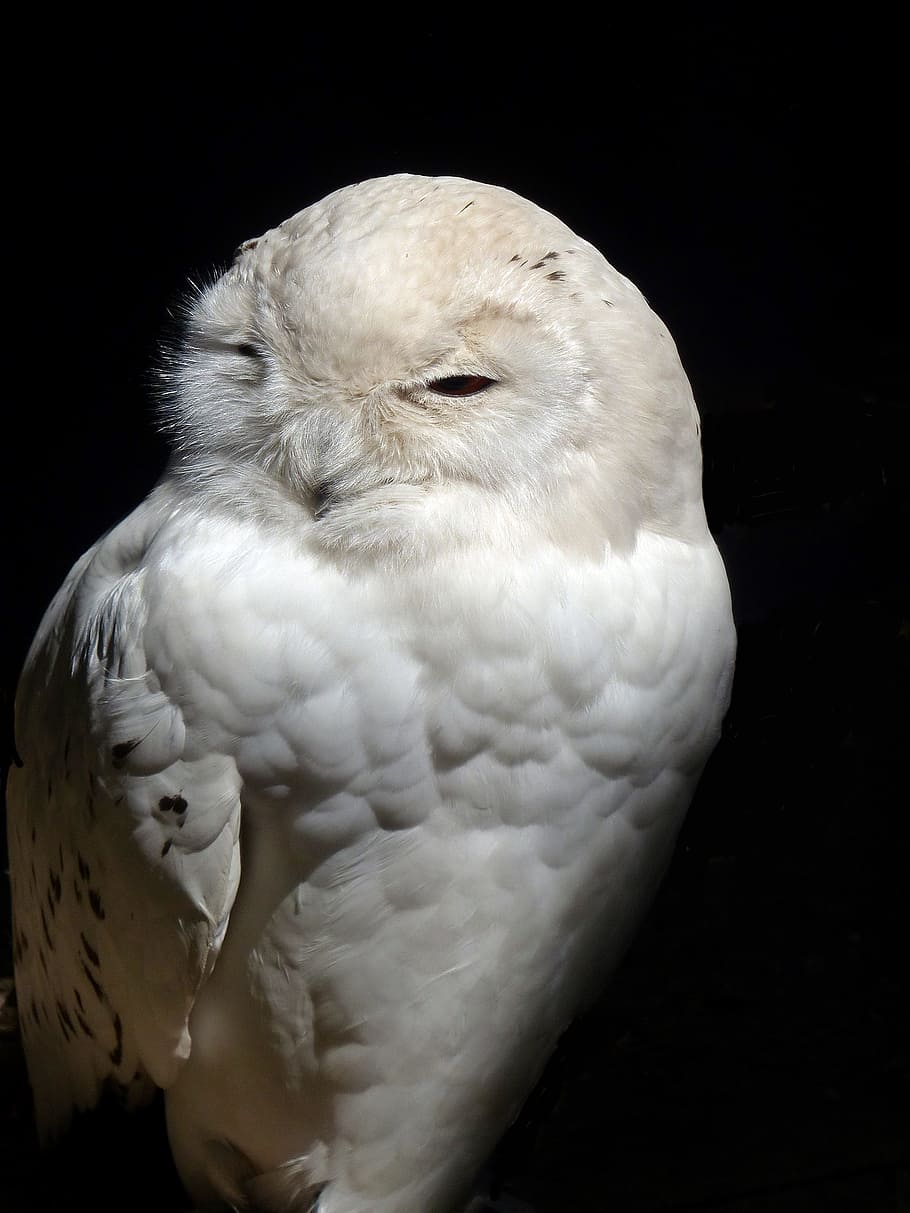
(460, 385)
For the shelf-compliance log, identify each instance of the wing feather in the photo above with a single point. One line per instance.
(124, 848)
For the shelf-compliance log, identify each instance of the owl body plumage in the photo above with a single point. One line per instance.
(354, 755)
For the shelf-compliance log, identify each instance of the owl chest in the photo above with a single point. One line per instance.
(499, 695)
(456, 804)
(320, 681)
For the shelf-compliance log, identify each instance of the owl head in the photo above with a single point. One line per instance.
(415, 360)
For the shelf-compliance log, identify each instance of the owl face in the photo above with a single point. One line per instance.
(411, 334)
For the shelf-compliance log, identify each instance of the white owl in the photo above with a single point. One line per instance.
(353, 756)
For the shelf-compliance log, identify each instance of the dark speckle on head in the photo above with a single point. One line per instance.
(466, 205)
(607, 302)
(556, 276)
(549, 256)
(167, 846)
(517, 257)
(94, 900)
(47, 934)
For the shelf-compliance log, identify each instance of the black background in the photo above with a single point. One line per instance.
(747, 173)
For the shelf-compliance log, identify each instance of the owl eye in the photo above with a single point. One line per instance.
(460, 385)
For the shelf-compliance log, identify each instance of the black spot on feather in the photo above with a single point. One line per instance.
(123, 749)
(64, 1019)
(324, 498)
(47, 934)
(90, 978)
(90, 951)
(116, 1054)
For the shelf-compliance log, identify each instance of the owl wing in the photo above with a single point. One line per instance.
(123, 846)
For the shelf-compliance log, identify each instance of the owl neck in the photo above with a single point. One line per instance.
(403, 525)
